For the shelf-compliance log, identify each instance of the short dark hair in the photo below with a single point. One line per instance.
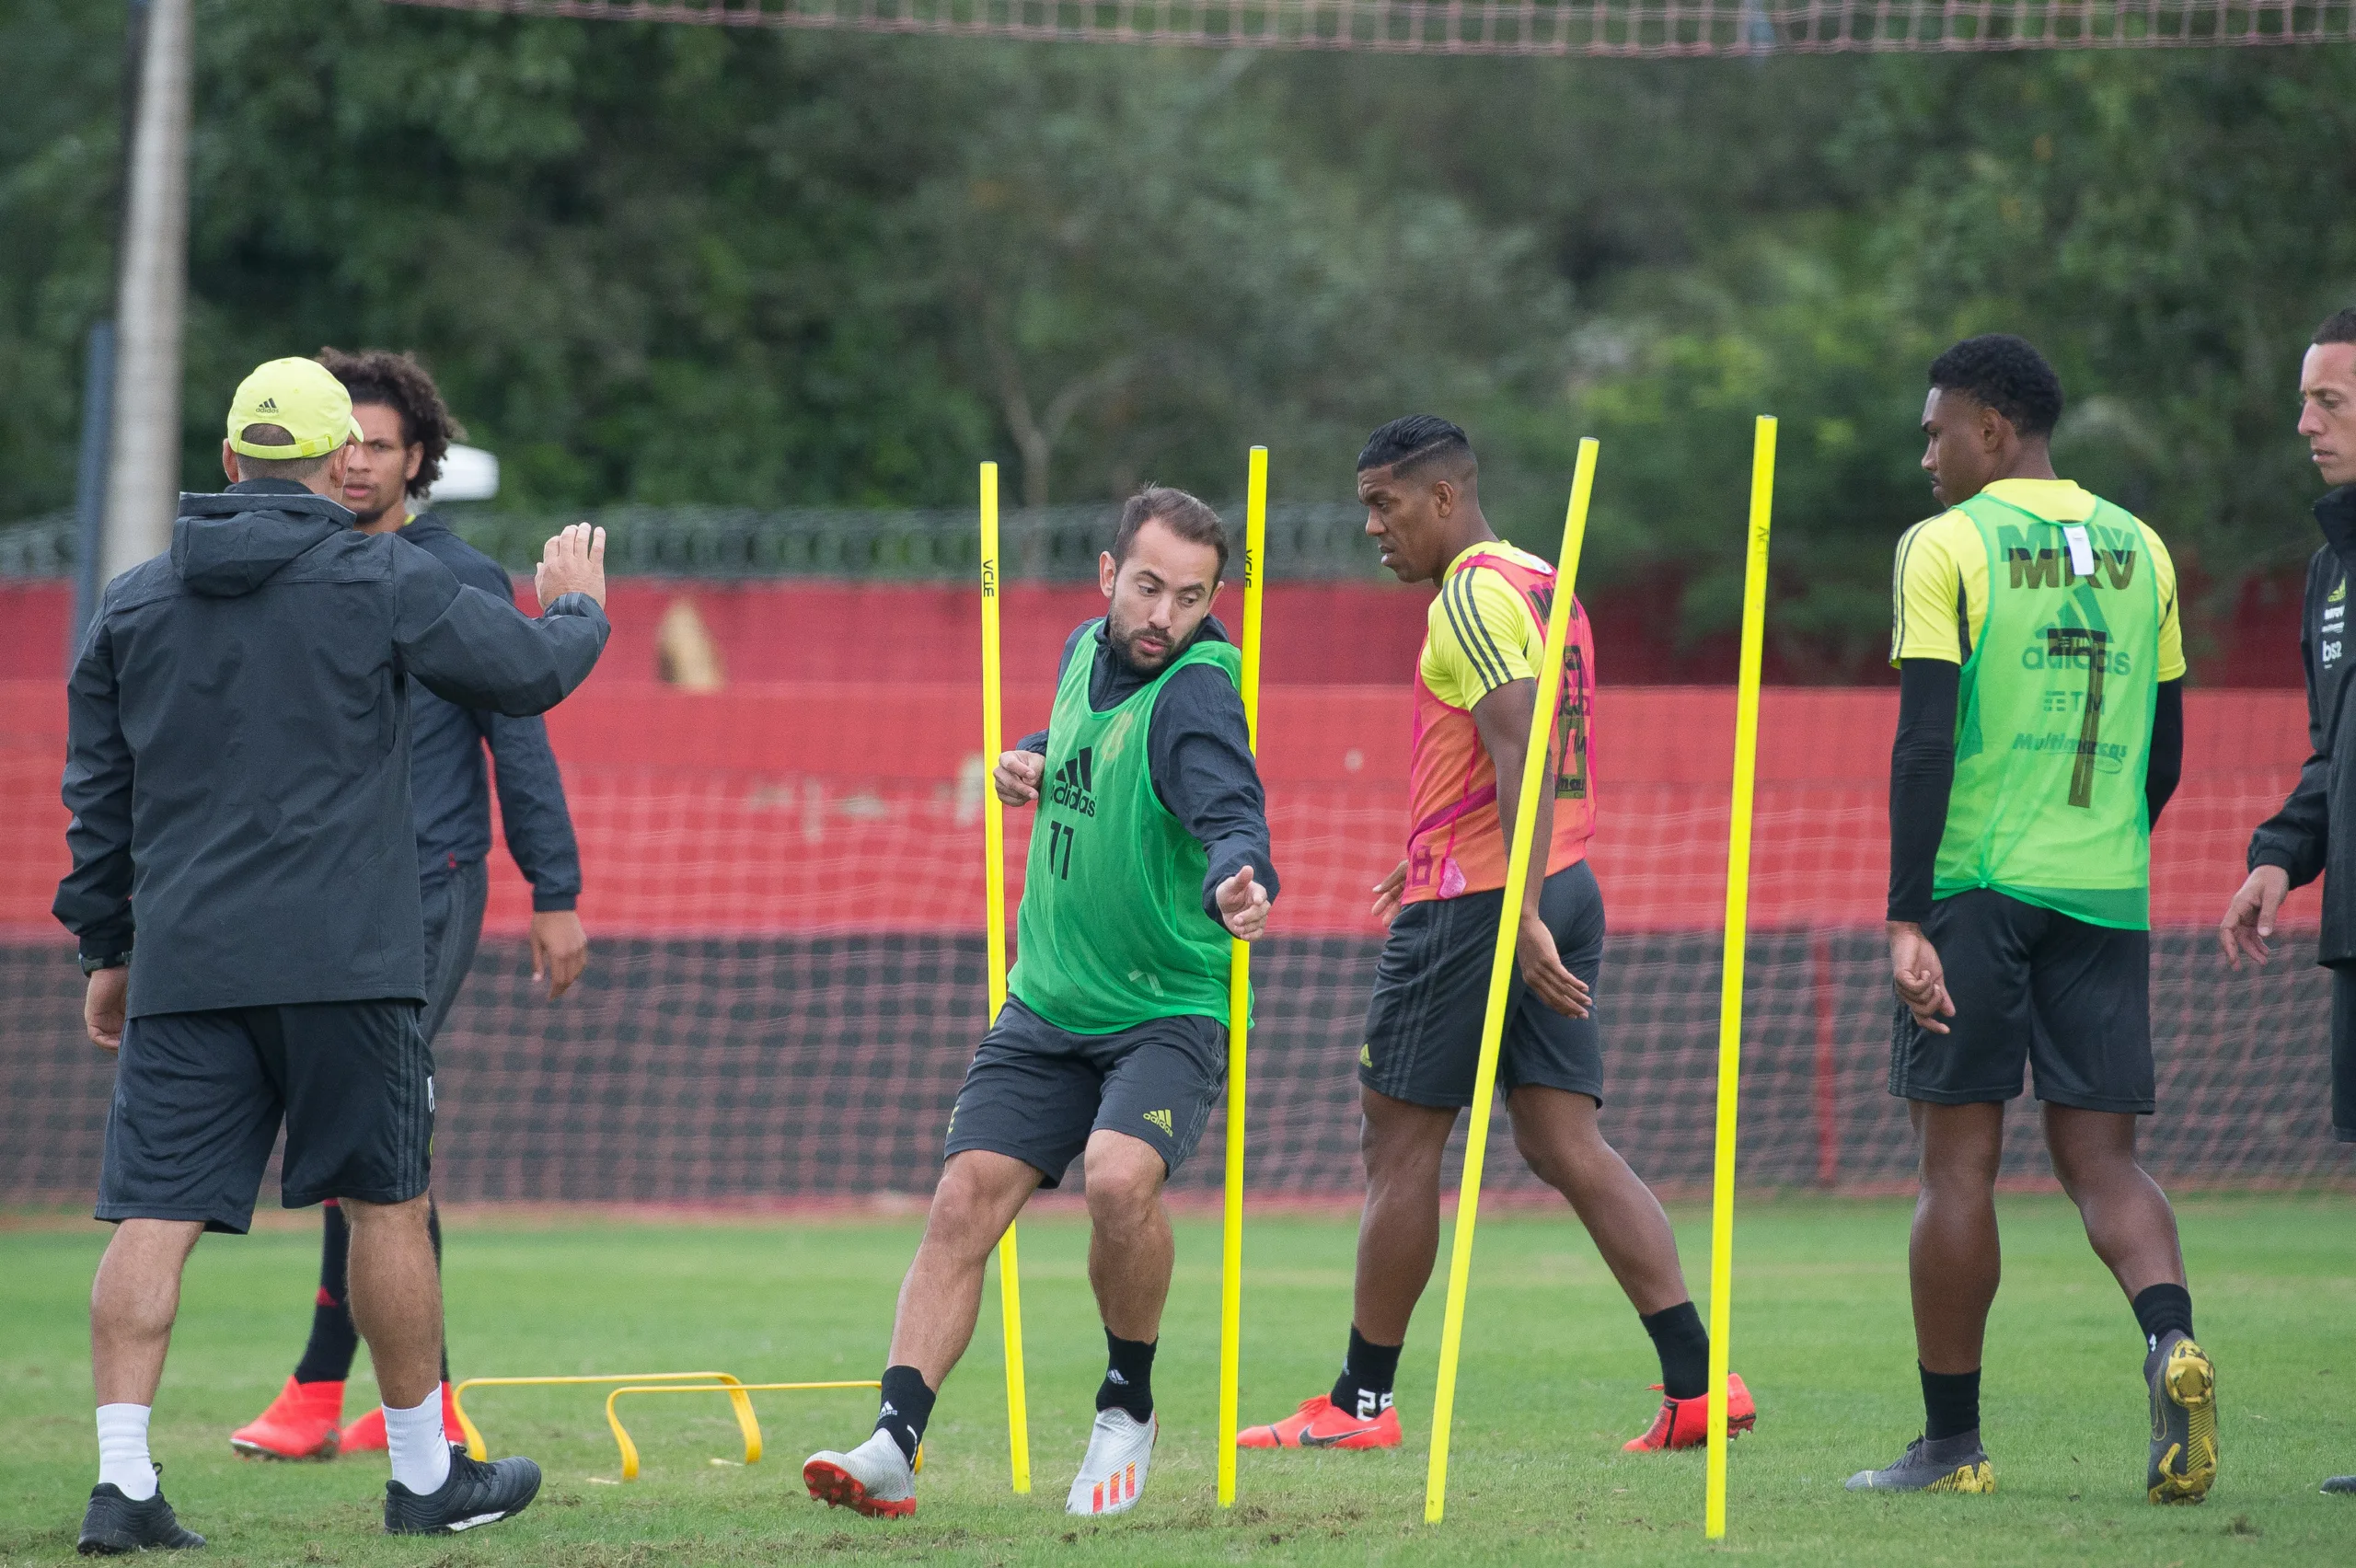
(2340, 327)
(2006, 374)
(1183, 514)
(302, 471)
(398, 382)
(1408, 443)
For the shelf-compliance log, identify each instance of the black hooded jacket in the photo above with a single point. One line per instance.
(238, 749)
(2315, 833)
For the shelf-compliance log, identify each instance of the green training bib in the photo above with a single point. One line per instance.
(2054, 728)
(1111, 931)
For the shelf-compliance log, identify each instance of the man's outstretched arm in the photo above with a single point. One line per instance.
(472, 649)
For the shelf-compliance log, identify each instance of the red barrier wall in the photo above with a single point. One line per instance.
(831, 805)
(1319, 633)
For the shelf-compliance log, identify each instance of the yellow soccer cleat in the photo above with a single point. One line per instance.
(2184, 1423)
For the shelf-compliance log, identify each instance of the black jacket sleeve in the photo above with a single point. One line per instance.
(472, 649)
(1200, 753)
(1037, 740)
(1922, 777)
(531, 796)
(2297, 836)
(94, 899)
(2166, 766)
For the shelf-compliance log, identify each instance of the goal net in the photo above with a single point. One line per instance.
(1608, 28)
(784, 891)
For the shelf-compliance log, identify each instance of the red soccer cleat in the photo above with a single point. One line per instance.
(366, 1435)
(1685, 1423)
(301, 1423)
(1322, 1424)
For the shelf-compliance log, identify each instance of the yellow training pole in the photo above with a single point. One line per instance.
(1010, 1275)
(1239, 1007)
(1493, 1027)
(1746, 759)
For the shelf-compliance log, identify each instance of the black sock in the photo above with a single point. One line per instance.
(433, 1230)
(907, 1405)
(1951, 1402)
(1368, 1372)
(2162, 1310)
(327, 1357)
(1129, 1376)
(1684, 1348)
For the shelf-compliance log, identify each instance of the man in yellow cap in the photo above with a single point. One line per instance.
(244, 893)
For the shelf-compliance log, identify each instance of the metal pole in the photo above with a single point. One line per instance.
(90, 477)
(142, 478)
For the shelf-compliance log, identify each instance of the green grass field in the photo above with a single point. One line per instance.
(1555, 1374)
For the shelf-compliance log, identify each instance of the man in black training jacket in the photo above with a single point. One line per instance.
(2315, 833)
(405, 431)
(244, 893)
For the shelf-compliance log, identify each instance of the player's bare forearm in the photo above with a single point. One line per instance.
(1503, 719)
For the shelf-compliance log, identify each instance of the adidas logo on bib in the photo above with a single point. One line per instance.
(1075, 784)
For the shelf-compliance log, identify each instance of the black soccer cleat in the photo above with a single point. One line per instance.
(474, 1493)
(114, 1524)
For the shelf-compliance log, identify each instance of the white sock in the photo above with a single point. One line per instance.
(420, 1453)
(122, 1451)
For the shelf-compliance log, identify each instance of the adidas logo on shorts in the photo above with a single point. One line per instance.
(1159, 1119)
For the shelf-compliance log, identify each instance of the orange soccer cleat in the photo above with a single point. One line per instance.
(301, 1423)
(1322, 1424)
(1685, 1423)
(366, 1435)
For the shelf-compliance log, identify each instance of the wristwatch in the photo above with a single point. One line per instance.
(112, 961)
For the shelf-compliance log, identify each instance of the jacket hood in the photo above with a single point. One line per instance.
(229, 545)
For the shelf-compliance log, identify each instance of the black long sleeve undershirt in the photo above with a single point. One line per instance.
(1922, 774)
(2167, 749)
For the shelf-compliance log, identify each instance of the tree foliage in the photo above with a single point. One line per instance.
(689, 265)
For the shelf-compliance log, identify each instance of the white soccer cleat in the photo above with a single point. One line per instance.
(1120, 1449)
(873, 1478)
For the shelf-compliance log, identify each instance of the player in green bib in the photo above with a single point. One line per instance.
(1150, 855)
(2041, 730)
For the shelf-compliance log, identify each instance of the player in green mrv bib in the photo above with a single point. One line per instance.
(2041, 730)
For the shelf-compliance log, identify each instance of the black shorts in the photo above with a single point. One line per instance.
(1036, 1092)
(1431, 996)
(2031, 988)
(2343, 1054)
(198, 1096)
(453, 903)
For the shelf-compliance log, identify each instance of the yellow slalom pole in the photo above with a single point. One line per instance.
(1493, 1027)
(1010, 1273)
(1746, 760)
(1239, 1007)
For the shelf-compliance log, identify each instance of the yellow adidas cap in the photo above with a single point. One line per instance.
(299, 397)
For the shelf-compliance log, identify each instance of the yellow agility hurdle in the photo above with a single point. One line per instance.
(744, 1408)
(477, 1449)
